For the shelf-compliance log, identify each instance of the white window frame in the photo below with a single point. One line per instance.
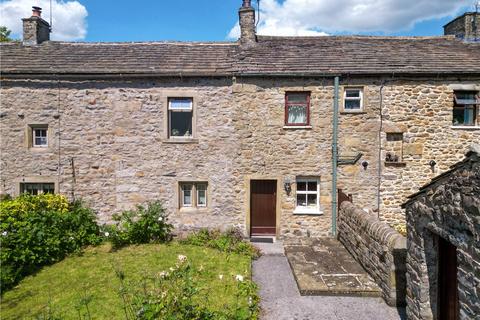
(40, 191)
(303, 209)
(182, 185)
(170, 110)
(194, 194)
(198, 195)
(34, 142)
(475, 105)
(345, 99)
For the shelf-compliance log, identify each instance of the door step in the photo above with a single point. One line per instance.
(262, 239)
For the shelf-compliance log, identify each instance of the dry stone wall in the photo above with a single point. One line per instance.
(380, 250)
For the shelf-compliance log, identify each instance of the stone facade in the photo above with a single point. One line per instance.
(109, 146)
(449, 208)
(465, 27)
(380, 250)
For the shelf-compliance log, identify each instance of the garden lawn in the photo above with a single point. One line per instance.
(62, 287)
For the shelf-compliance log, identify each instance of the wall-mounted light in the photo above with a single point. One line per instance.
(432, 163)
(287, 185)
(365, 165)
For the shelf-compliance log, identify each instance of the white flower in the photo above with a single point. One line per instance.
(182, 258)
(220, 276)
(160, 219)
(163, 274)
(4, 233)
(239, 278)
(106, 234)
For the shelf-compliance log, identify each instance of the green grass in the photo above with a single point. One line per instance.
(62, 285)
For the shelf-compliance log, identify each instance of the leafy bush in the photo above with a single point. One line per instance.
(230, 241)
(142, 225)
(174, 294)
(40, 230)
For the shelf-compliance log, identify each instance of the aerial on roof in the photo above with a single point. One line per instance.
(252, 55)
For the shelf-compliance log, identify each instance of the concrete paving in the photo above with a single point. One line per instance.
(323, 266)
(281, 300)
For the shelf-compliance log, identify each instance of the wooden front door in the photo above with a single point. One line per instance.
(448, 306)
(263, 207)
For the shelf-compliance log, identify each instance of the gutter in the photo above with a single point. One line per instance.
(335, 155)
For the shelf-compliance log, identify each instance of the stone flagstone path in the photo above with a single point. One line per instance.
(281, 299)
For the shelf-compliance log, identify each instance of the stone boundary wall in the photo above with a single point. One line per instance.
(377, 247)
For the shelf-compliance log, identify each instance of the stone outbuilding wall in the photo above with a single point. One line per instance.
(448, 208)
(380, 250)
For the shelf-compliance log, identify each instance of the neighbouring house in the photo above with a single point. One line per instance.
(257, 134)
(443, 260)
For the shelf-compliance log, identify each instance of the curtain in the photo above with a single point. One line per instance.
(297, 114)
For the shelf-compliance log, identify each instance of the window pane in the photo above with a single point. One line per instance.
(352, 104)
(202, 198)
(49, 188)
(180, 124)
(470, 116)
(301, 186)
(312, 200)
(180, 103)
(458, 116)
(301, 200)
(312, 186)
(297, 114)
(187, 194)
(297, 97)
(352, 93)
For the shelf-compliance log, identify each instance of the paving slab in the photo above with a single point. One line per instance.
(281, 299)
(322, 266)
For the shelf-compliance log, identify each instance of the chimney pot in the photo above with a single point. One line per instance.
(247, 3)
(36, 12)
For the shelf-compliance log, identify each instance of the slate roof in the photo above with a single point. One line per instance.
(160, 58)
(336, 55)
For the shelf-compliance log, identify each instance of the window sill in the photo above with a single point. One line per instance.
(352, 112)
(465, 127)
(39, 149)
(297, 127)
(180, 141)
(192, 210)
(395, 164)
(300, 211)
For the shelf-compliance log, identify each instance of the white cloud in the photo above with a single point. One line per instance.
(317, 17)
(69, 17)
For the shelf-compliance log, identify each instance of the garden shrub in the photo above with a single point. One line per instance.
(175, 294)
(40, 230)
(230, 241)
(145, 224)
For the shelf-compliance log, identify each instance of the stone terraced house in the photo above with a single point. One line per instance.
(257, 133)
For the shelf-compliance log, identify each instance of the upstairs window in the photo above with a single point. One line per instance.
(193, 194)
(297, 109)
(37, 188)
(465, 109)
(40, 138)
(353, 99)
(180, 115)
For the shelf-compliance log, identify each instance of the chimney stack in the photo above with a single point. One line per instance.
(466, 27)
(247, 23)
(35, 29)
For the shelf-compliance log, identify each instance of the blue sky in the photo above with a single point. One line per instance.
(215, 20)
